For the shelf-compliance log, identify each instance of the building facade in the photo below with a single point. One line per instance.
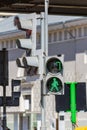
(68, 38)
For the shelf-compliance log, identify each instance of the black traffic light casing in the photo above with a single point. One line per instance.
(63, 101)
(15, 88)
(9, 101)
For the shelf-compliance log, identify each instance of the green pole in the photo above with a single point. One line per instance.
(73, 101)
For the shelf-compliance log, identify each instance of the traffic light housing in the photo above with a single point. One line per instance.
(23, 24)
(54, 74)
(30, 60)
(26, 23)
(32, 64)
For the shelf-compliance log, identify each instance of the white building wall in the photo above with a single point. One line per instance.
(74, 67)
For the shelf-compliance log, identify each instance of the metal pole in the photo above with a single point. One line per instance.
(43, 89)
(56, 123)
(73, 103)
(46, 27)
(4, 107)
(4, 89)
(44, 47)
(42, 33)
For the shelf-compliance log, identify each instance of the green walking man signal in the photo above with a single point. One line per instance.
(54, 84)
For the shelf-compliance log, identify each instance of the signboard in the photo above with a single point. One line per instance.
(63, 101)
(10, 101)
(81, 128)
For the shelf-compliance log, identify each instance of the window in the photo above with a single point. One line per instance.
(50, 37)
(85, 31)
(27, 99)
(6, 44)
(38, 39)
(65, 35)
(79, 32)
(3, 44)
(70, 34)
(55, 36)
(60, 36)
(11, 44)
(75, 32)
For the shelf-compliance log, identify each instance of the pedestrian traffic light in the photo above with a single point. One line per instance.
(54, 74)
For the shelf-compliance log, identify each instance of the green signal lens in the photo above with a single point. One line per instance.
(54, 84)
(54, 65)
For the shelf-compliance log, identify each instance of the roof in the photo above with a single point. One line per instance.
(52, 19)
(69, 7)
(7, 24)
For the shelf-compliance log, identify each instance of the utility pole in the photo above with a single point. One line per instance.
(73, 103)
(4, 107)
(46, 27)
(43, 103)
(5, 82)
